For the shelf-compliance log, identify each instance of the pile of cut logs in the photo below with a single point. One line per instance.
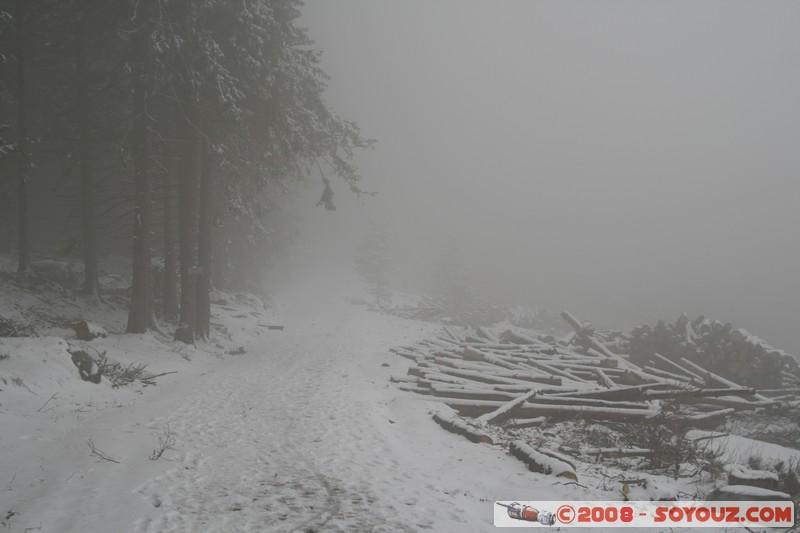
(517, 380)
(719, 347)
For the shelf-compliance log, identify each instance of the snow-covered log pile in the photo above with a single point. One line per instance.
(515, 377)
(510, 380)
(718, 347)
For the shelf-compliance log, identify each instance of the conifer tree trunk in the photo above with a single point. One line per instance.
(139, 315)
(203, 303)
(170, 289)
(86, 171)
(22, 141)
(187, 212)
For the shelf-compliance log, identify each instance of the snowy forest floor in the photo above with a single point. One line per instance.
(301, 432)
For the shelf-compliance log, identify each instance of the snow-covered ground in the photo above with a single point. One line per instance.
(302, 432)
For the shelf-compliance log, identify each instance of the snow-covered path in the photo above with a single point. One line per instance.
(308, 436)
(296, 439)
(304, 432)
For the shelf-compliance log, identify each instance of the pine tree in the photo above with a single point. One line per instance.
(139, 316)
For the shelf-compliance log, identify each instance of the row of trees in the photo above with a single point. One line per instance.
(167, 114)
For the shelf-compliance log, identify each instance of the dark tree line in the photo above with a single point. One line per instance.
(175, 121)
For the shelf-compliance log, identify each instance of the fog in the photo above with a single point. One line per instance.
(628, 160)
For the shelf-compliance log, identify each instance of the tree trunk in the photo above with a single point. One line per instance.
(203, 297)
(86, 171)
(139, 315)
(22, 141)
(187, 210)
(170, 289)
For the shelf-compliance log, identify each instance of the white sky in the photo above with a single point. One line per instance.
(628, 160)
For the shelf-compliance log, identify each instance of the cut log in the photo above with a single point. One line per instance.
(586, 333)
(675, 366)
(454, 424)
(509, 336)
(615, 453)
(502, 412)
(527, 422)
(746, 493)
(446, 393)
(699, 393)
(418, 390)
(394, 378)
(632, 378)
(552, 370)
(603, 379)
(683, 378)
(558, 456)
(572, 321)
(474, 385)
(621, 393)
(416, 371)
(567, 340)
(473, 375)
(493, 346)
(719, 379)
(486, 334)
(739, 404)
(471, 354)
(706, 418)
(739, 475)
(444, 378)
(541, 463)
(778, 391)
(566, 400)
(475, 408)
(408, 355)
(709, 437)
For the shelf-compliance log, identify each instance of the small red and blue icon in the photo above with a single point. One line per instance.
(526, 513)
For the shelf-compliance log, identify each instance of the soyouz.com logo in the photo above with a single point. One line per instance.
(777, 514)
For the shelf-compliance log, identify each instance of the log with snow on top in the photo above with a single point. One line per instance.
(503, 411)
(679, 368)
(697, 393)
(615, 453)
(519, 423)
(747, 493)
(541, 463)
(509, 336)
(486, 334)
(622, 393)
(454, 424)
(719, 379)
(586, 332)
(671, 375)
(740, 475)
(476, 408)
(604, 380)
(445, 392)
(735, 403)
(553, 371)
(591, 402)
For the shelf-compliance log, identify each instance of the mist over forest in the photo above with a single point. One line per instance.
(630, 161)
